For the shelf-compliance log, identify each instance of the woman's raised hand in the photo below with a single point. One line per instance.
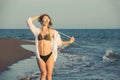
(72, 39)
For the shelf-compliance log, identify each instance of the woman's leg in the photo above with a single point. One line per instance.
(50, 67)
(42, 67)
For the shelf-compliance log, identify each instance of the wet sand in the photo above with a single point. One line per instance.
(11, 52)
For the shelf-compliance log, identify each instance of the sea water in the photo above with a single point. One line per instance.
(82, 60)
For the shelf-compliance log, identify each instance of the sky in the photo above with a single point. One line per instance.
(68, 14)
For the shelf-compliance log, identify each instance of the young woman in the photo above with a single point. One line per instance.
(47, 41)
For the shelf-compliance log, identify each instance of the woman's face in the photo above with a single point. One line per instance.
(45, 21)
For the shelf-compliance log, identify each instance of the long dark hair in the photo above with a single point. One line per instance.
(41, 18)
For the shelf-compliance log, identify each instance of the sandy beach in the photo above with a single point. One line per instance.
(11, 52)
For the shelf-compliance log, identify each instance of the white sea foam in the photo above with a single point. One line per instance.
(108, 52)
(110, 55)
(76, 58)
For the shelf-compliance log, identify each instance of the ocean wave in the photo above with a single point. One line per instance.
(109, 55)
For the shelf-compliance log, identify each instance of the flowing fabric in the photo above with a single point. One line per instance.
(55, 42)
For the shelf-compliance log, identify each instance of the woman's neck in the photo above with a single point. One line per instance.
(44, 28)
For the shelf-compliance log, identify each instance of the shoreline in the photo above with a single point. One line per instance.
(11, 52)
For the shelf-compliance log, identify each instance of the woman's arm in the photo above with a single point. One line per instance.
(68, 42)
(34, 18)
(30, 24)
(58, 41)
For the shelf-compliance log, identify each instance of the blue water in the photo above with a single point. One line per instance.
(84, 57)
